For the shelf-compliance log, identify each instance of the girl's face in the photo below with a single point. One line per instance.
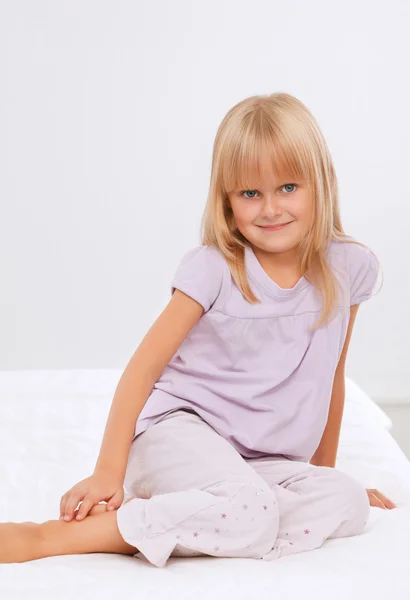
(273, 202)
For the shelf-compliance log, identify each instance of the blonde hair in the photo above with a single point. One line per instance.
(278, 128)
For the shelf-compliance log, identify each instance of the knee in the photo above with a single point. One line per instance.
(255, 512)
(352, 499)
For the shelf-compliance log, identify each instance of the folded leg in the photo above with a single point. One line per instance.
(315, 503)
(194, 494)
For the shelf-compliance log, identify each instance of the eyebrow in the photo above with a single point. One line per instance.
(281, 181)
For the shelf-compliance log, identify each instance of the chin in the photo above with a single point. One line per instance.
(277, 245)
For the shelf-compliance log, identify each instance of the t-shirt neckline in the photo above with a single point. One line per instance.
(257, 272)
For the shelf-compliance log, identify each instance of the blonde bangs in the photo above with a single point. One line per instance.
(275, 135)
(259, 150)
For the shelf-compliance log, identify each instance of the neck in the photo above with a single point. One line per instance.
(280, 260)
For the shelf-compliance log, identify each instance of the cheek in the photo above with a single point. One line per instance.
(245, 214)
(303, 211)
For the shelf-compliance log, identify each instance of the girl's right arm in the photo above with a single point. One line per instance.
(134, 387)
(136, 383)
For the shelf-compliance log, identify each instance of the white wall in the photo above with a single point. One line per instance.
(108, 111)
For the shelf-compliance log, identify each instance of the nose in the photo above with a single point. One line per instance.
(271, 207)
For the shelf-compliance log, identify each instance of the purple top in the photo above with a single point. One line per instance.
(253, 371)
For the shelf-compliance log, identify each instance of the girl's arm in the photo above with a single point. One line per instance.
(136, 383)
(326, 453)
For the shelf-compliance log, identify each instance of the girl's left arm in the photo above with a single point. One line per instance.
(326, 452)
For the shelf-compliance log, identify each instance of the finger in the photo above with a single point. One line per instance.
(63, 502)
(375, 501)
(387, 502)
(71, 505)
(115, 501)
(97, 509)
(85, 507)
(380, 499)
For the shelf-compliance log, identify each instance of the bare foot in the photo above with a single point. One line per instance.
(21, 542)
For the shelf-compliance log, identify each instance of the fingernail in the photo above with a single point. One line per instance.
(78, 517)
(66, 518)
(110, 508)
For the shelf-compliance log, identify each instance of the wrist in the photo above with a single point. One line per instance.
(108, 472)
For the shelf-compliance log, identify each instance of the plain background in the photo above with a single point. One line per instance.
(108, 113)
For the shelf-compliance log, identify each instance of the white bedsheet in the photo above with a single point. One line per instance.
(51, 426)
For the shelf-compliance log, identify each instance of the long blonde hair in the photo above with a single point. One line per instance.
(278, 128)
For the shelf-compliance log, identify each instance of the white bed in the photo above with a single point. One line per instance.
(51, 426)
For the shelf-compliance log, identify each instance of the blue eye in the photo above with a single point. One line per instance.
(254, 191)
(246, 191)
(287, 184)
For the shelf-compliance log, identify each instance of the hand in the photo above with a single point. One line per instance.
(376, 498)
(90, 491)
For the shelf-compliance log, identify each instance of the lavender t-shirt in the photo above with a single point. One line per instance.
(254, 372)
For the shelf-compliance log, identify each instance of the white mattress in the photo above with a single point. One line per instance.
(51, 426)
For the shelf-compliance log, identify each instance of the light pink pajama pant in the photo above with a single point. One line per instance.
(194, 494)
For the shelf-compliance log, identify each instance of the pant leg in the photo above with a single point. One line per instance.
(315, 503)
(193, 493)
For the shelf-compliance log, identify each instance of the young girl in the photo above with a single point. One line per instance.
(225, 424)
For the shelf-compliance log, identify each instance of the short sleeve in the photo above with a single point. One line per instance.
(364, 269)
(200, 275)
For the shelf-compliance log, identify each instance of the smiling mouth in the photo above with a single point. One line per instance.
(277, 226)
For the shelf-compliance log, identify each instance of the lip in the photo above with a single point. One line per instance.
(275, 227)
